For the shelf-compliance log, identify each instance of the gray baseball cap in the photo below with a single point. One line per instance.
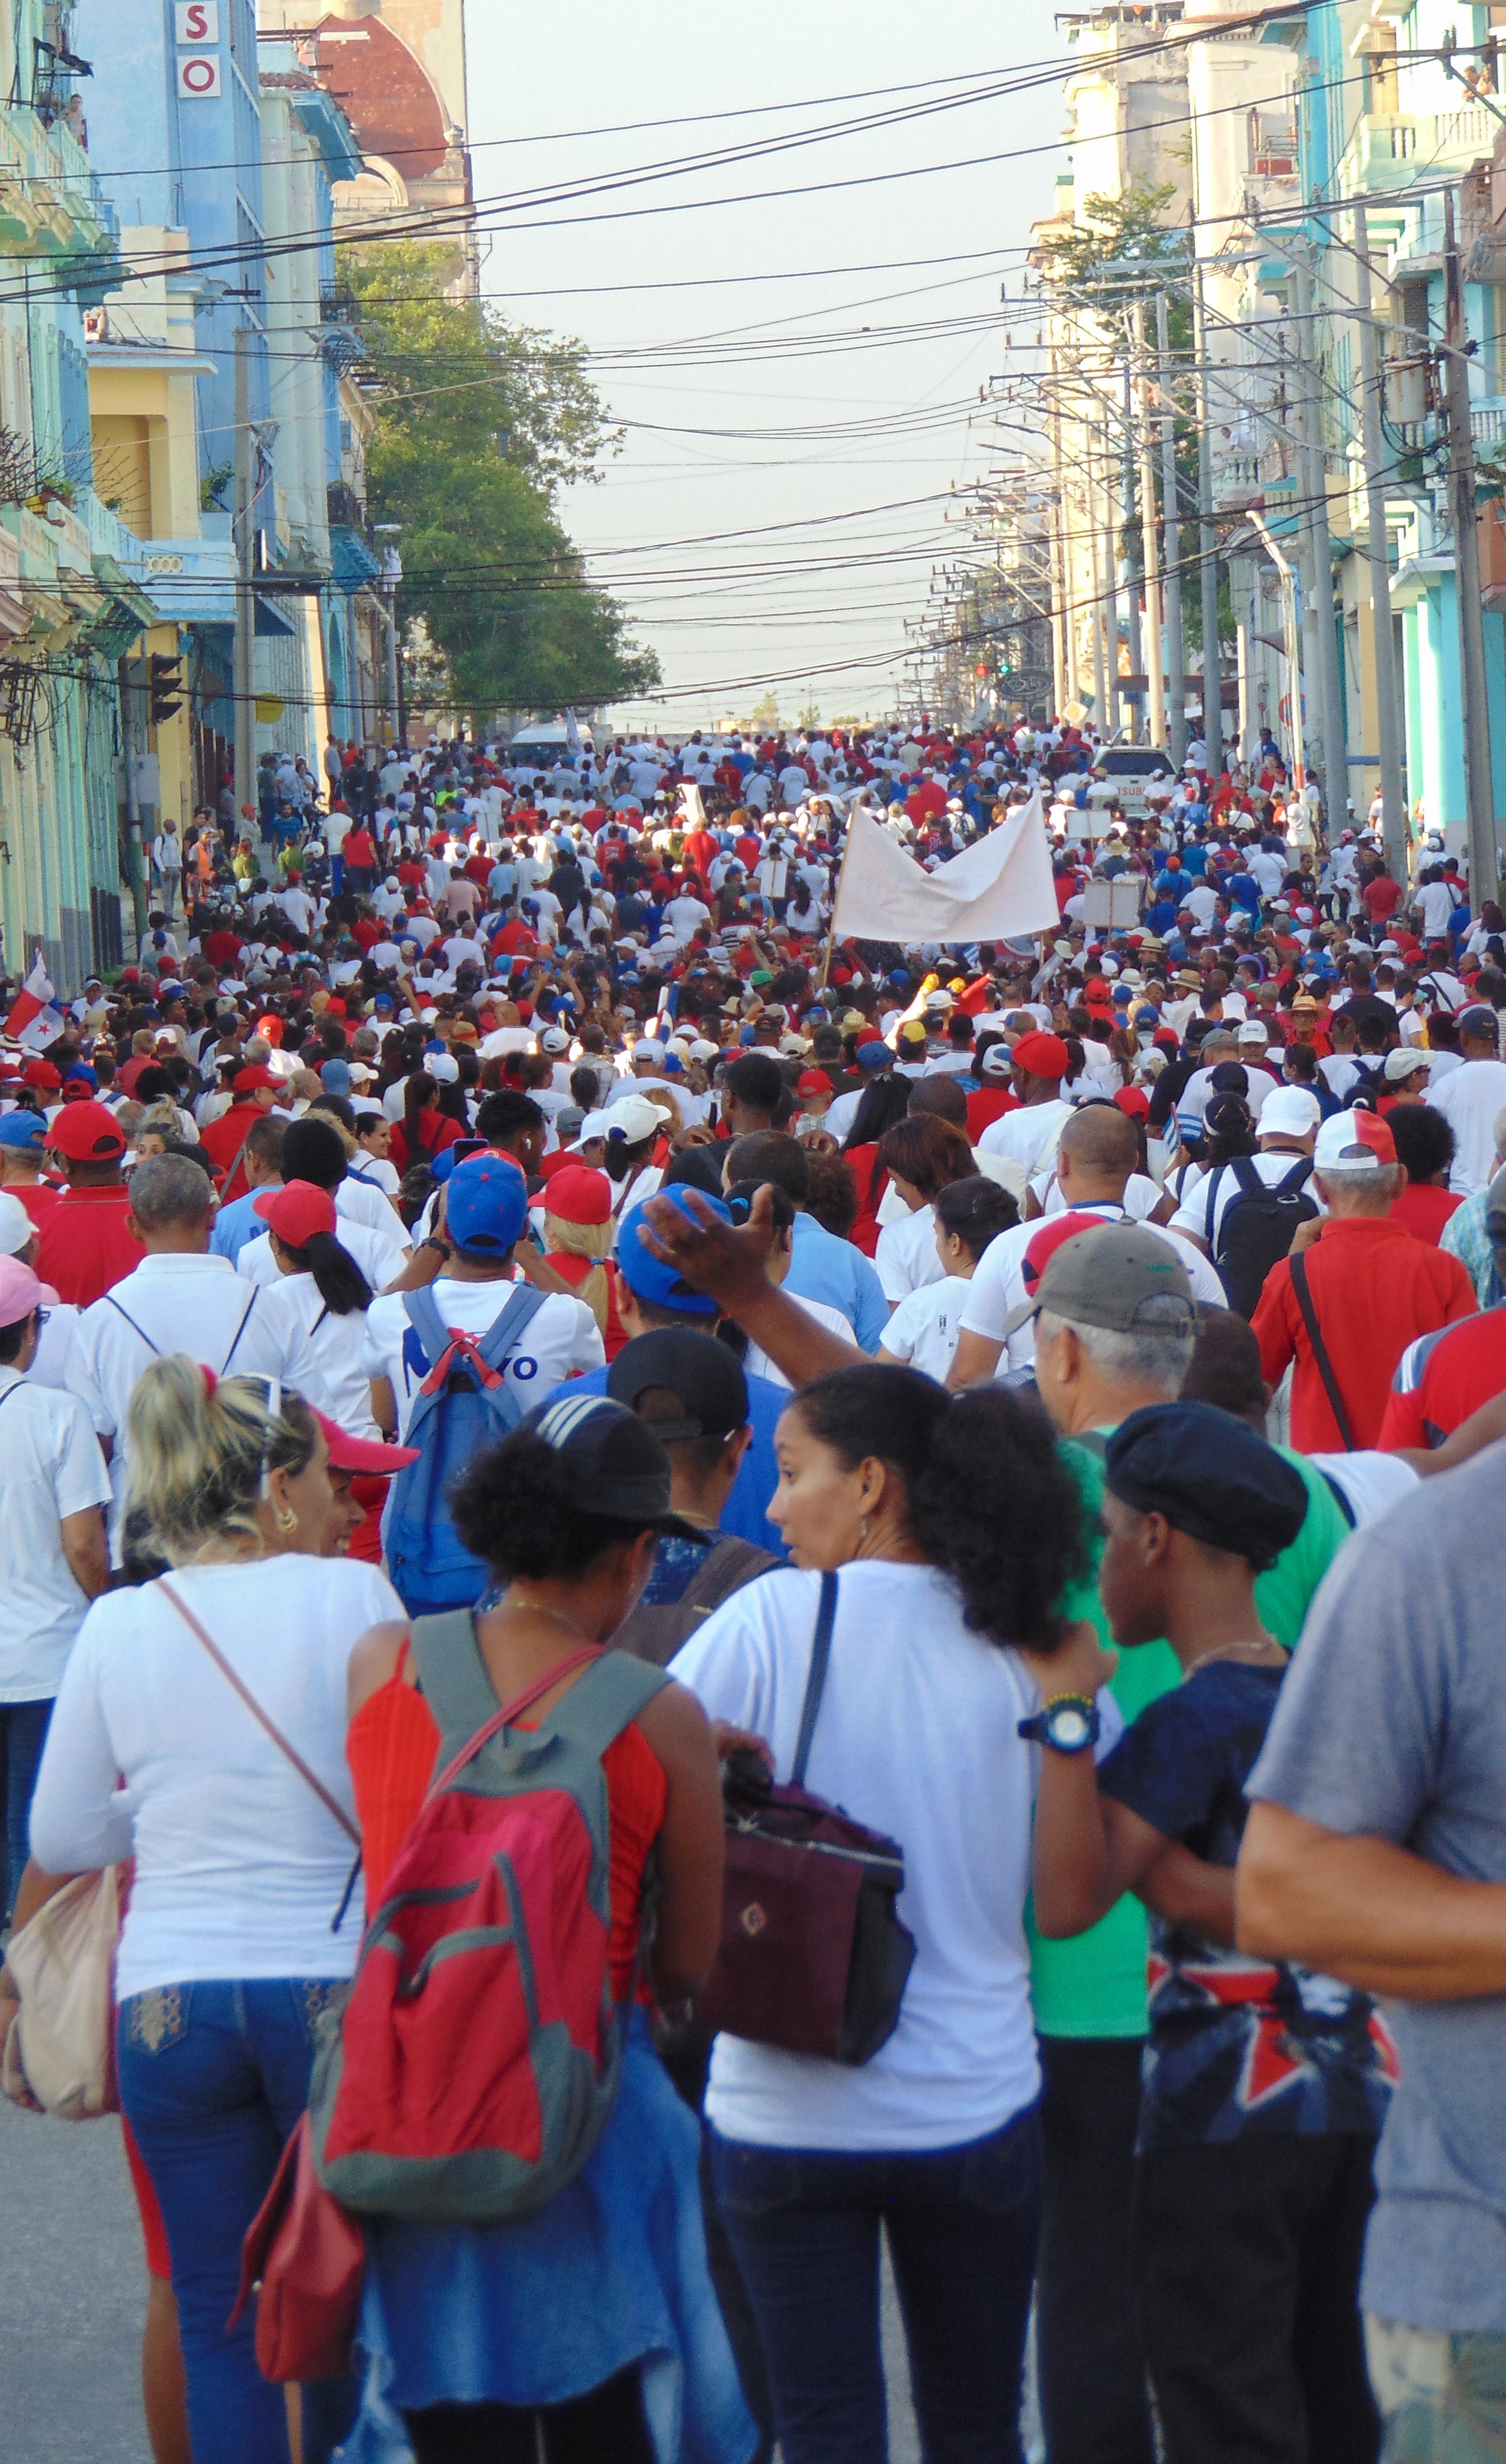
(1107, 1275)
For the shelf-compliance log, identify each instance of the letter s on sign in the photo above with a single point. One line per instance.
(198, 21)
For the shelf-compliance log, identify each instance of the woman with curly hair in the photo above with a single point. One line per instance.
(959, 1533)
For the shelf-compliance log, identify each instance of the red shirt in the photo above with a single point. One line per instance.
(990, 1103)
(1442, 1379)
(84, 1246)
(1375, 1290)
(37, 1196)
(359, 850)
(1425, 1210)
(222, 1142)
(1379, 897)
(222, 948)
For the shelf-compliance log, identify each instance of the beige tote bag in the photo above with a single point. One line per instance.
(63, 1963)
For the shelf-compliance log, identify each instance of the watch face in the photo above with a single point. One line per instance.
(1069, 1727)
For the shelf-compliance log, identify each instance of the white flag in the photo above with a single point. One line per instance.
(1001, 887)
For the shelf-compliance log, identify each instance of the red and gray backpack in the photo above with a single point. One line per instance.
(476, 2060)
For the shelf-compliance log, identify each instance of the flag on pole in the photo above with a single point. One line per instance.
(572, 730)
(1000, 888)
(34, 995)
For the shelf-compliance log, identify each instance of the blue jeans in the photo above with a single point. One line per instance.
(961, 2224)
(212, 2079)
(336, 875)
(23, 1733)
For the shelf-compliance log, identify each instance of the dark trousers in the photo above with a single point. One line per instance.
(685, 2052)
(1095, 2399)
(606, 2427)
(962, 2225)
(1247, 2256)
(23, 1733)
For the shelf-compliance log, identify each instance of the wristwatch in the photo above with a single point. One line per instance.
(1068, 1724)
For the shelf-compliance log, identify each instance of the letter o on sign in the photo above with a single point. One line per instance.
(198, 75)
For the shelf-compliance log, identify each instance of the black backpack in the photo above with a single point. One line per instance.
(1258, 1228)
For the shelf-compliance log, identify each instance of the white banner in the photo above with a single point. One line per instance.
(1001, 886)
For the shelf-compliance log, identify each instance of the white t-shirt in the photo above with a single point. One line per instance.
(1373, 1483)
(197, 1304)
(50, 1467)
(239, 1867)
(756, 1362)
(998, 1284)
(906, 1256)
(923, 1329)
(338, 1344)
(1028, 1134)
(562, 1340)
(842, 1112)
(378, 1257)
(1471, 1100)
(917, 1737)
(1142, 1197)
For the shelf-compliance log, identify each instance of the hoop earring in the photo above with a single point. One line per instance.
(284, 1518)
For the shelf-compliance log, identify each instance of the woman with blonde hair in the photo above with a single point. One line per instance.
(218, 1693)
(578, 1231)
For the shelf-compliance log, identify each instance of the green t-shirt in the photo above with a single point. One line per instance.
(1094, 1983)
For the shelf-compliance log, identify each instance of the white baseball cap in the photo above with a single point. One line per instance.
(1290, 1113)
(1353, 1142)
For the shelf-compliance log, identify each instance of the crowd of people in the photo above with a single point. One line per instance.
(499, 1248)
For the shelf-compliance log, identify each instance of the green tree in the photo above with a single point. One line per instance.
(809, 716)
(480, 422)
(764, 715)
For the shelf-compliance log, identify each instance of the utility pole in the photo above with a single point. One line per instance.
(1478, 792)
(1136, 656)
(1063, 679)
(1388, 715)
(1335, 748)
(135, 853)
(1155, 687)
(1090, 513)
(1111, 573)
(1212, 674)
(245, 599)
(1171, 533)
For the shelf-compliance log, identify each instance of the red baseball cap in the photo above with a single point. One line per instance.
(246, 1081)
(86, 1134)
(813, 1082)
(577, 1194)
(1044, 1056)
(1134, 1101)
(1045, 1244)
(295, 1212)
(41, 1074)
(360, 1454)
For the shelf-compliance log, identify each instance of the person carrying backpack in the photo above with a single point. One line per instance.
(1244, 1215)
(454, 1365)
(526, 2178)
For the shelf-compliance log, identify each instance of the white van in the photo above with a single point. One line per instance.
(540, 748)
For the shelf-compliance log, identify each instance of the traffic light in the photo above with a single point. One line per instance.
(166, 687)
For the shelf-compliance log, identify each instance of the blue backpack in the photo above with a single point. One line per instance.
(463, 1406)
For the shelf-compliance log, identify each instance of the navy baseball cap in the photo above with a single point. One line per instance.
(654, 1279)
(618, 1464)
(486, 1204)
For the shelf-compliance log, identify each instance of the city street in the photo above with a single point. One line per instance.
(71, 2292)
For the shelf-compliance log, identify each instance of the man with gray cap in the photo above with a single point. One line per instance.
(1469, 1098)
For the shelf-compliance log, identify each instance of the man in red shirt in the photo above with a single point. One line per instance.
(1379, 896)
(84, 1245)
(222, 948)
(1443, 1377)
(223, 1141)
(1372, 1290)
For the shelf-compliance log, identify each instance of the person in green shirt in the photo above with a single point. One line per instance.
(1117, 1327)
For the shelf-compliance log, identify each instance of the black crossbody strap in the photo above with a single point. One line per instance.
(815, 1683)
(1325, 1367)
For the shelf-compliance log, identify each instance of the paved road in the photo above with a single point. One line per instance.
(72, 2285)
(72, 2289)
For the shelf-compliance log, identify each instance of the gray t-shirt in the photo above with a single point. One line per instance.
(1392, 1721)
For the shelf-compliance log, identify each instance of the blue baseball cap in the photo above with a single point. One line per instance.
(21, 1129)
(652, 1279)
(486, 1204)
(872, 1056)
(335, 1076)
